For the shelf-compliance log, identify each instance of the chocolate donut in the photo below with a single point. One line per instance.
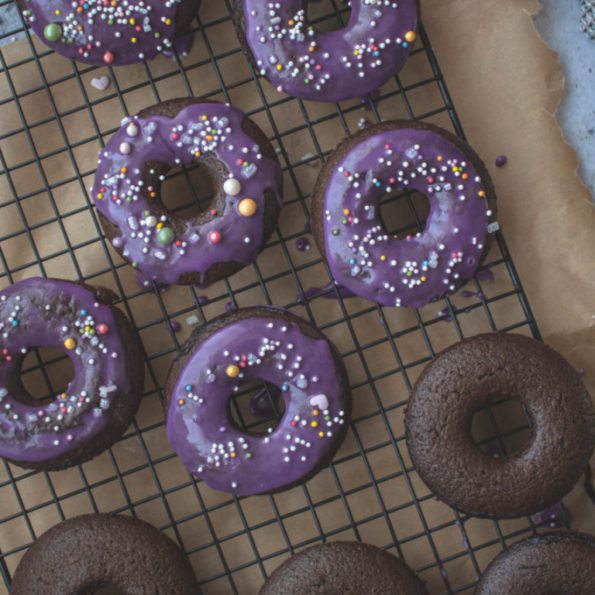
(247, 179)
(116, 32)
(102, 399)
(469, 376)
(344, 568)
(282, 45)
(231, 350)
(551, 564)
(416, 269)
(94, 551)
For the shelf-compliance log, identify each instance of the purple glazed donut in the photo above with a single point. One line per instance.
(412, 270)
(116, 32)
(247, 179)
(101, 401)
(280, 348)
(334, 66)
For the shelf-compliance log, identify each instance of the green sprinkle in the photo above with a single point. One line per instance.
(52, 32)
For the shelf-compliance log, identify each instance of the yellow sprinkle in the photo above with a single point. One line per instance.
(58, 12)
(159, 225)
(321, 434)
(232, 371)
(70, 343)
(279, 67)
(314, 424)
(455, 168)
(410, 36)
(132, 22)
(204, 118)
(87, 328)
(423, 278)
(100, 196)
(133, 40)
(197, 154)
(482, 193)
(168, 21)
(383, 257)
(233, 455)
(63, 396)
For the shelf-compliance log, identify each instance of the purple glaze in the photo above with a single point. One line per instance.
(278, 353)
(202, 299)
(199, 128)
(230, 307)
(302, 244)
(470, 294)
(47, 314)
(174, 326)
(106, 32)
(328, 295)
(485, 275)
(554, 516)
(415, 270)
(332, 66)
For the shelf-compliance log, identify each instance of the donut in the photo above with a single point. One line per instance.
(416, 269)
(95, 551)
(469, 376)
(344, 568)
(283, 46)
(230, 351)
(115, 33)
(102, 399)
(169, 248)
(553, 563)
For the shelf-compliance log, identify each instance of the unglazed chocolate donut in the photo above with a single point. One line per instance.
(116, 32)
(168, 248)
(470, 375)
(416, 269)
(344, 568)
(101, 401)
(93, 551)
(552, 564)
(280, 348)
(279, 40)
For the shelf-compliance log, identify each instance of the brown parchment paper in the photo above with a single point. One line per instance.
(506, 86)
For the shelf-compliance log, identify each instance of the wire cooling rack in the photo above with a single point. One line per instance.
(52, 122)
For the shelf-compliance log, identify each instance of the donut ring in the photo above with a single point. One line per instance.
(412, 270)
(93, 551)
(561, 562)
(344, 568)
(111, 33)
(247, 179)
(470, 375)
(101, 401)
(359, 59)
(282, 349)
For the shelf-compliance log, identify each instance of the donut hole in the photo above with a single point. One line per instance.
(256, 408)
(187, 191)
(327, 16)
(45, 373)
(502, 429)
(404, 212)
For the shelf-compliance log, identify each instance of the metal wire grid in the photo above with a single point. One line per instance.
(229, 575)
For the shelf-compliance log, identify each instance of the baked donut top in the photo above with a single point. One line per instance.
(104, 31)
(162, 245)
(416, 269)
(333, 66)
(48, 313)
(277, 351)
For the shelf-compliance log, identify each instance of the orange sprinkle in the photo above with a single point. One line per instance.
(124, 170)
(346, 211)
(181, 402)
(465, 176)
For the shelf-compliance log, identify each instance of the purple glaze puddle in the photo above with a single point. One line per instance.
(174, 326)
(315, 291)
(230, 307)
(485, 275)
(501, 161)
(302, 244)
(202, 299)
(554, 516)
(183, 46)
(470, 294)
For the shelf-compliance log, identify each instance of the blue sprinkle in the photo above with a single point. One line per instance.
(84, 312)
(352, 261)
(378, 184)
(425, 263)
(405, 44)
(377, 53)
(15, 323)
(189, 388)
(285, 387)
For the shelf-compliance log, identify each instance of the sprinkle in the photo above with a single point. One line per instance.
(215, 237)
(232, 371)
(70, 343)
(247, 207)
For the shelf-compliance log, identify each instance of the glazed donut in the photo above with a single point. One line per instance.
(467, 377)
(168, 248)
(101, 401)
(114, 33)
(282, 45)
(95, 551)
(553, 563)
(344, 568)
(277, 347)
(416, 269)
